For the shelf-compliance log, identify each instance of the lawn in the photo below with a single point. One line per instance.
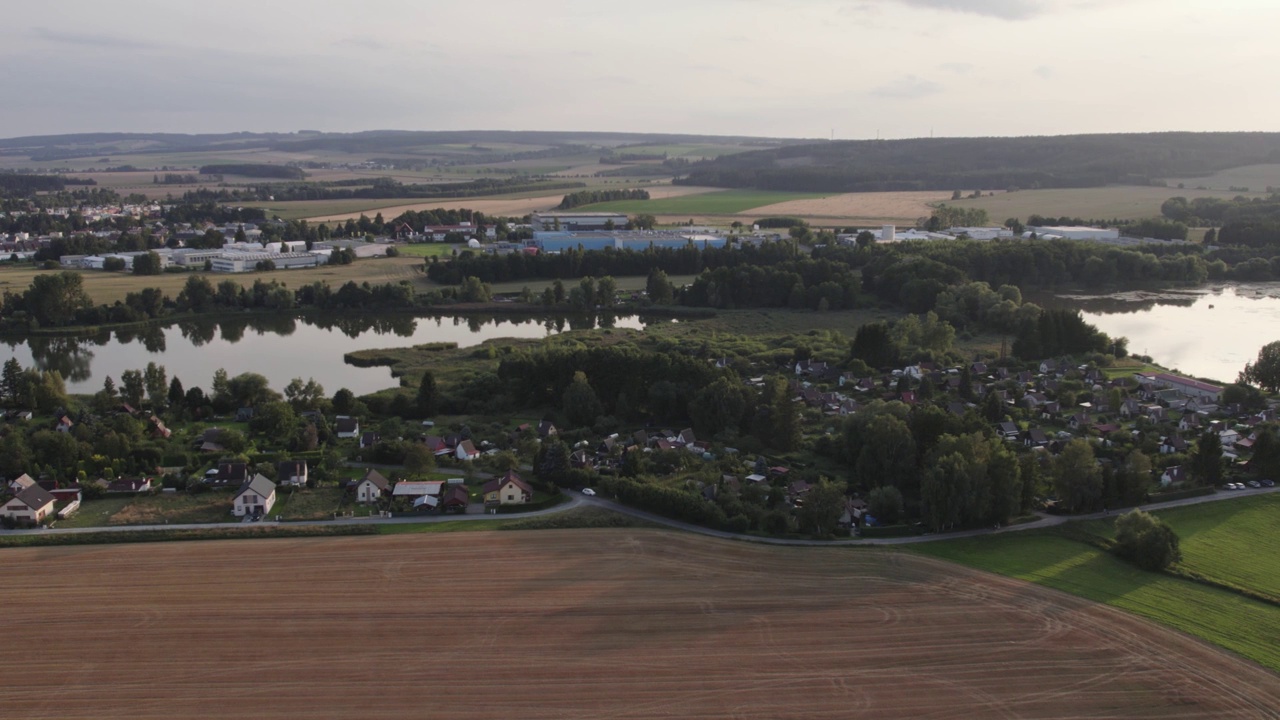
(177, 508)
(1234, 542)
(724, 202)
(307, 503)
(1232, 621)
(429, 249)
(95, 513)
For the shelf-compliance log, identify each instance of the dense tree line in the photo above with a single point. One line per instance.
(589, 197)
(576, 263)
(1059, 332)
(60, 300)
(192, 213)
(804, 283)
(22, 184)
(949, 163)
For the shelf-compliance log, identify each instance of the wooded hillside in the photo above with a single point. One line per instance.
(986, 163)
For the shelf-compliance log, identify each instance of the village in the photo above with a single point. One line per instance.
(1037, 409)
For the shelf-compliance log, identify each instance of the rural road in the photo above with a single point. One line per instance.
(1044, 522)
(577, 500)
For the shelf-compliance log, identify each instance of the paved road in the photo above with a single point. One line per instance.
(1044, 522)
(578, 500)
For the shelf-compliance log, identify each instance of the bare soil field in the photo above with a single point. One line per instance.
(579, 624)
(856, 206)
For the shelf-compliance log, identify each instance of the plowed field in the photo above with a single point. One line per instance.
(578, 624)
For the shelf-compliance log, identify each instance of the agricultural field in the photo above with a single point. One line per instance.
(1107, 203)
(615, 623)
(108, 287)
(1255, 177)
(719, 202)
(865, 208)
(1054, 560)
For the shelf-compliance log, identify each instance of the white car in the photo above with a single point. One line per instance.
(588, 491)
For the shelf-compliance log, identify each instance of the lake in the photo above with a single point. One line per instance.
(278, 347)
(1208, 332)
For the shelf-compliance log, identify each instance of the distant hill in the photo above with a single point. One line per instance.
(389, 142)
(986, 163)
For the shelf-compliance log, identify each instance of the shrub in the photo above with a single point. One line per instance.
(1146, 541)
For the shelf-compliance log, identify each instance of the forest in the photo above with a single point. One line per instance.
(985, 163)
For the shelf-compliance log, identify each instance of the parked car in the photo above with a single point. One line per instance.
(1267, 483)
(588, 491)
(1254, 484)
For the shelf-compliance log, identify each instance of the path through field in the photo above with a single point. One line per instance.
(578, 624)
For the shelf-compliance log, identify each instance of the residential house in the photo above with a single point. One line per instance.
(509, 489)
(64, 424)
(1079, 422)
(369, 439)
(467, 451)
(797, 490)
(28, 507)
(229, 473)
(437, 445)
(581, 460)
(346, 427)
(1008, 430)
(423, 495)
(20, 483)
(244, 414)
(1035, 438)
(455, 499)
(255, 497)
(546, 429)
(158, 429)
(129, 485)
(1173, 444)
(1189, 423)
(372, 487)
(292, 472)
(1130, 408)
(1173, 475)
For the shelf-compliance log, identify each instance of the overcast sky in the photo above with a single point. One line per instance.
(789, 68)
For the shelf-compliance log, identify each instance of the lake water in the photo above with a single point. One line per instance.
(278, 347)
(1208, 332)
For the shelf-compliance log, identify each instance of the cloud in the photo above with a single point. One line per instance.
(959, 68)
(1045, 72)
(908, 87)
(89, 39)
(1003, 9)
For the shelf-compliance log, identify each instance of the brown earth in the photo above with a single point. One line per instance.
(578, 624)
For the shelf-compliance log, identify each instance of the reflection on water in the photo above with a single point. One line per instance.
(281, 347)
(1208, 332)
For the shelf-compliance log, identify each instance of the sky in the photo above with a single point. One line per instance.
(773, 68)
